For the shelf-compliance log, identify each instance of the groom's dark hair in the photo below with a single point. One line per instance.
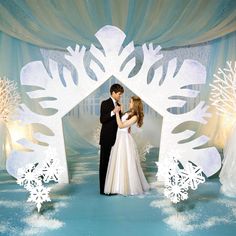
(116, 88)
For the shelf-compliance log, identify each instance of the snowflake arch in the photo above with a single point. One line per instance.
(112, 60)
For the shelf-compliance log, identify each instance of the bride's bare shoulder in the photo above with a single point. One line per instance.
(133, 117)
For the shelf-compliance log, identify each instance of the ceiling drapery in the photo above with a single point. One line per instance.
(55, 24)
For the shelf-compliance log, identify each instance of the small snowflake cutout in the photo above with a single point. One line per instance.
(32, 177)
(51, 170)
(167, 168)
(39, 195)
(177, 181)
(29, 177)
(192, 175)
(175, 191)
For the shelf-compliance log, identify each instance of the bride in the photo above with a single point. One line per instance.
(124, 174)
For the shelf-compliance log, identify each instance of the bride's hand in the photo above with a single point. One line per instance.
(116, 109)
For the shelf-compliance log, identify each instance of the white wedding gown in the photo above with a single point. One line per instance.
(228, 171)
(124, 173)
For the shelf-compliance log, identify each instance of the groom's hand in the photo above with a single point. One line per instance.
(116, 109)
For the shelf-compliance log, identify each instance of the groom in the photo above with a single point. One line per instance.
(108, 130)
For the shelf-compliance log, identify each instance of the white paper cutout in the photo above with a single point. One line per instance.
(51, 170)
(109, 61)
(192, 176)
(32, 178)
(167, 168)
(29, 177)
(176, 191)
(178, 180)
(38, 195)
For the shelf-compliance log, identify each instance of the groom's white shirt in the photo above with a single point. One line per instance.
(114, 102)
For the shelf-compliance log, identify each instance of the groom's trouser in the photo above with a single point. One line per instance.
(104, 159)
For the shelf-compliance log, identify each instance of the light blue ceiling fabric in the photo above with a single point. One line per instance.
(27, 25)
(14, 54)
(55, 24)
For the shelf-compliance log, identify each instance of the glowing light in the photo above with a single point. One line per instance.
(18, 131)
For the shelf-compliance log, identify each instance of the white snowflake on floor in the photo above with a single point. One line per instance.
(175, 190)
(32, 178)
(167, 168)
(51, 170)
(191, 176)
(39, 194)
(29, 176)
(178, 180)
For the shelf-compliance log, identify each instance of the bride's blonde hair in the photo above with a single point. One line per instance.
(137, 110)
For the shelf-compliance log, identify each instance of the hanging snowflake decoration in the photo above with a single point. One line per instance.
(223, 92)
(178, 180)
(39, 194)
(9, 99)
(32, 178)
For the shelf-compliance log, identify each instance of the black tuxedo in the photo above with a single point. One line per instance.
(107, 138)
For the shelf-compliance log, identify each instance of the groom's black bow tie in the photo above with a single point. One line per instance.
(117, 104)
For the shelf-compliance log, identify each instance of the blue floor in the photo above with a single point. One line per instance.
(78, 209)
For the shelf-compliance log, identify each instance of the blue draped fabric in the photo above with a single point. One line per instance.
(14, 54)
(62, 23)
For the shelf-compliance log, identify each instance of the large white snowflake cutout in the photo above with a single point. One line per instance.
(39, 194)
(51, 153)
(169, 87)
